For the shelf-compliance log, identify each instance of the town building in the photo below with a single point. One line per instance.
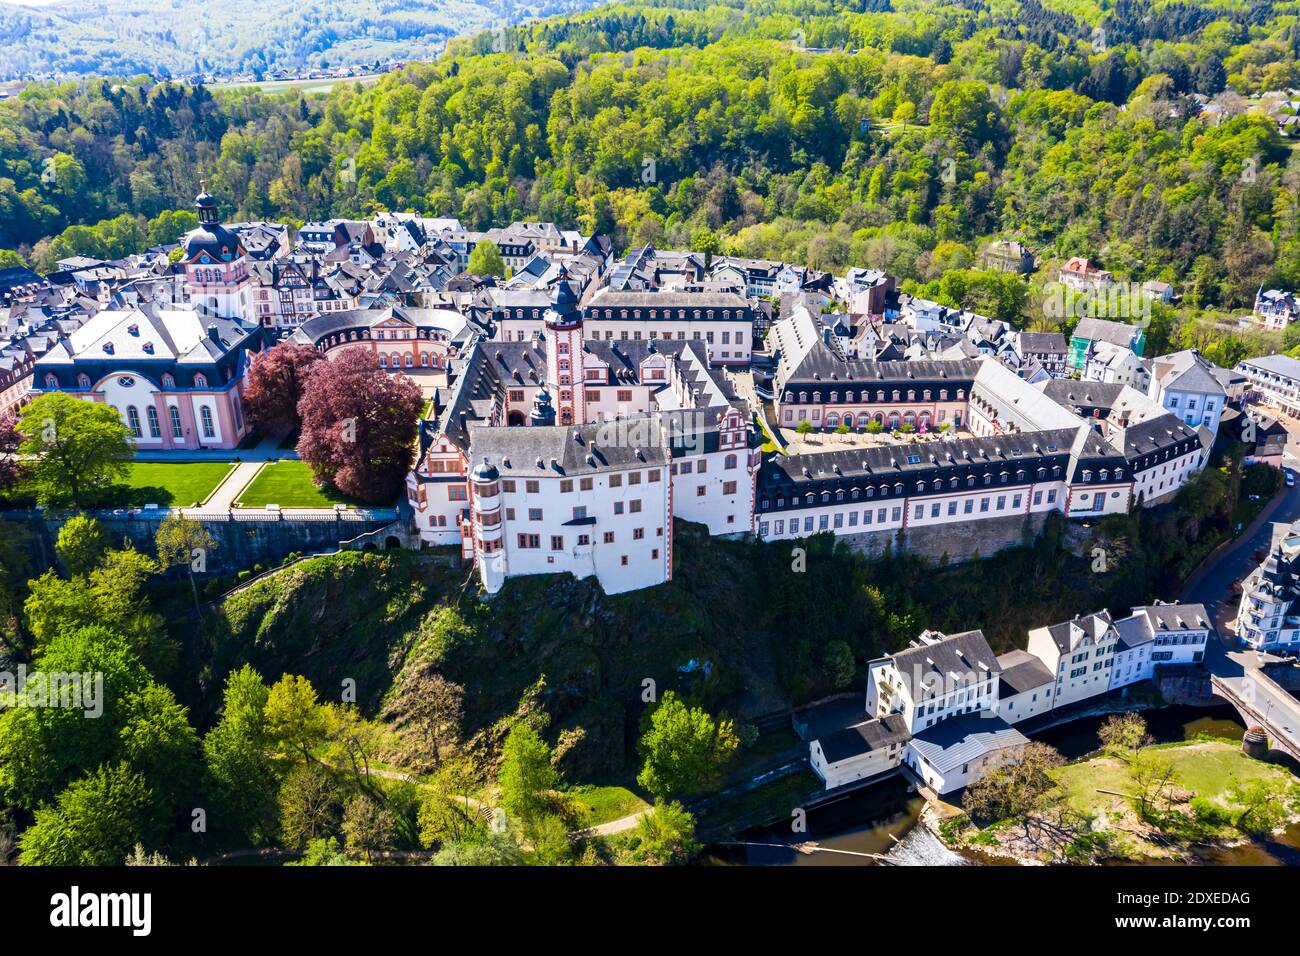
(1080, 275)
(217, 281)
(1080, 653)
(1186, 384)
(175, 376)
(1273, 380)
(1276, 308)
(723, 321)
(400, 338)
(1090, 332)
(1268, 617)
(944, 707)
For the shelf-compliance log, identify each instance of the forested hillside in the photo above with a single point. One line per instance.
(927, 127)
(179, 37)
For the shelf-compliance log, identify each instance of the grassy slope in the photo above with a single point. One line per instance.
(359, 615)
(1207, 768)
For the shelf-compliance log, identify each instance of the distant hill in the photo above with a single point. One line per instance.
(182, 37)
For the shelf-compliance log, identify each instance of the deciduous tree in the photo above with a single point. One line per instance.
(684, 748)
(359, 426)
(275, 386)
(73, 449)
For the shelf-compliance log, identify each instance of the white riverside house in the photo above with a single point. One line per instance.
(944, 706)
(1079, 652)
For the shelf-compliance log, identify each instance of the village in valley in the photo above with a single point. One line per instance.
(699, 436)
(579, 407)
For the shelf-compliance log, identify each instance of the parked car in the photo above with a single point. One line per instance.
(1290, 479)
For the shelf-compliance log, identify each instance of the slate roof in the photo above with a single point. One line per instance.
(1176, 617)
(1021, 671)
(561, 450)
(1106, 330)
(962, 653)
(863, 738)
(1094, 625)
(951, 743)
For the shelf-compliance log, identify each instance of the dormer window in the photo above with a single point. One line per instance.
(200, 380)
(168, 381)
(148, 348)
(133, 330)
(108, 348)
(83, 381)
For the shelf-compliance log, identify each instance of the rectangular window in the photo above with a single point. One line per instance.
(728, 487)
(609, 537)
(530, 541)
(534, 514)
(530, 487)
(557, 542)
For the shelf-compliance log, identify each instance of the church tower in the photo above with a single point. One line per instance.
(564, 365)
(217, 282)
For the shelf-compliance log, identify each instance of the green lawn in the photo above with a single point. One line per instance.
(1207, 768)
(289, 485)
(603, 804)
(174, 484)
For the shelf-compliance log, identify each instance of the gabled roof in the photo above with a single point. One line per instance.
(863, 738)
(958, 741)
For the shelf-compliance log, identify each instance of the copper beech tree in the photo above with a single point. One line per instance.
(359, 425)
(275, 386)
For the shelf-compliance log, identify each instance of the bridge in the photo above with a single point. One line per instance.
(1261, 701)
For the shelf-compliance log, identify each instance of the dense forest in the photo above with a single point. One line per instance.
(180, 37)
(923, 129)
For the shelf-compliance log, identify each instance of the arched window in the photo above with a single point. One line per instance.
(83, 381)
(175, 414)
(133, 420)
(200, 380)
(205, 415)
(151, 414)
(729, 462)
(383, 360)
(168, 381)
(51, 381)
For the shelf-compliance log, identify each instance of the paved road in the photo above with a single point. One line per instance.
(1240, 671)
(1212, 585)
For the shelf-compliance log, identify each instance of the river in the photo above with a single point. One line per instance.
(881, 819)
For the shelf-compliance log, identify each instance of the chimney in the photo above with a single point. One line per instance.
(213, 334)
